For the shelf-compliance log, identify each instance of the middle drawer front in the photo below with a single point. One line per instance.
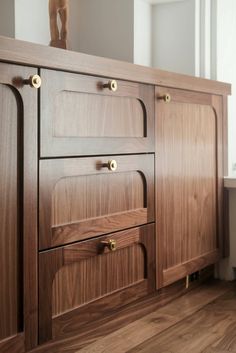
(82, 198)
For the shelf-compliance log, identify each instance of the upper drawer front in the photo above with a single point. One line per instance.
(81, 198)
(81, 116)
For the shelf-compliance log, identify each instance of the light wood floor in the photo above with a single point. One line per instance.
(201, 321)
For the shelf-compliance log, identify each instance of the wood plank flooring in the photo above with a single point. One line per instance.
(201, 321)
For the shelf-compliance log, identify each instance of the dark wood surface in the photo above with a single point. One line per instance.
(18, 201)
(140, 321)
(81, 117)
(80, 198)
(16, 51)
(189, 186)
(76, 275)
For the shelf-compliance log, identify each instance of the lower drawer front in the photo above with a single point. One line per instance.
(84, 281)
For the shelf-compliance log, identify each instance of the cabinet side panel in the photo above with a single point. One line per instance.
(10, 206)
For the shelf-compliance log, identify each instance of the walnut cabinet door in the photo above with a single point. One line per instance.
(18, 214)
(189, 182)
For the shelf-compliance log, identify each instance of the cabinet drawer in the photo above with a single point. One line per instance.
(81, 198)
(82, 282)
(79, 116)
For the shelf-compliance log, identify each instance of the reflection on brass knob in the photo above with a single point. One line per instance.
(111, 244)
(112, 165)
(111, 85)
(34, 81)
(166, 98)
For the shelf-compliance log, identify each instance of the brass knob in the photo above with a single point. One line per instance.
(112, 165)
(166, 98)
(111, 244)
(34, 81)
(111, 85)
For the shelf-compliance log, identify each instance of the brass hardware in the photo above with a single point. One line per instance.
(34, 81)
(187, 282)
(111, 244)
(166, 98)
(111, 85)
(112, 165)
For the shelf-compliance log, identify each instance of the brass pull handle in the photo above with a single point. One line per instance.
(111, 244)
(166, 98)
(112, 165)
(111, 85)
(34, 81)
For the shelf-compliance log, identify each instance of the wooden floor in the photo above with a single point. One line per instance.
(201, 321)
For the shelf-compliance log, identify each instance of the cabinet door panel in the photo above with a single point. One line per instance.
(81, 282)
(188, 133)
(18, 214)
(81, 198)
(81, 117)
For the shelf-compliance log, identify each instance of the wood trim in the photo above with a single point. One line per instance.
(100, 225)
(184, 269)
(14, 344)
(25, 53)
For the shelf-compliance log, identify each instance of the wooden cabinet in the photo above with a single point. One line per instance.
(84, 281)
(108, 190)
(80, 115)
(18, 213)
(189, 140)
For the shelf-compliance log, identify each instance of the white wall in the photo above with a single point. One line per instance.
(7, 20)
(173, 42)
(32, 21)
(226, 64)
(226, 71)
(142, 33)
(103, 28)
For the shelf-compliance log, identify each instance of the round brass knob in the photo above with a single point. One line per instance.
(34, 81)
(166, 98)
(111, 244)
(111, 85)
(112, 165)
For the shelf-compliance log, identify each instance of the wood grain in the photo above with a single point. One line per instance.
(81, 117)
(18, 120)
(90, 271)
(39, 55)
(137, 319)
(10, 203)
(187, 191)
(80, 198)
(212, 329)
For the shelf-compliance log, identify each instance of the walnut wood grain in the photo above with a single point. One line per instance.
(16, 51)
(120, 322)
(182, 270)
(14, 344)
(81, 117)
(18, 287)
(80, 198)
(189, 181)
(125, 275)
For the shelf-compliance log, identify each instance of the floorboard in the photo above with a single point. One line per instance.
(201, 321)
